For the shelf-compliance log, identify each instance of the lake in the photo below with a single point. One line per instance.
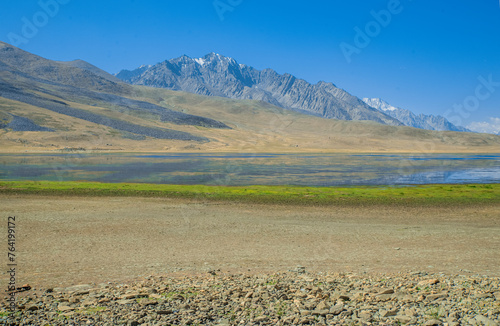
(255, 169)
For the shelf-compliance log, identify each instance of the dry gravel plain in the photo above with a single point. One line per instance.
(73, 240)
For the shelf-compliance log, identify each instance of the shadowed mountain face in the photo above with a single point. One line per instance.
(216, 75)
(49, 85)
(16, 123)
(410, 119)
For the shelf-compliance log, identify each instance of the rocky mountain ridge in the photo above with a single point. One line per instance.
(410, 119)
(217, 75)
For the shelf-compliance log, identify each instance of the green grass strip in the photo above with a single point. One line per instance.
(290, 195)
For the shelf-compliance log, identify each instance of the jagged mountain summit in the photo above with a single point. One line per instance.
(217, 75)
(410, 119)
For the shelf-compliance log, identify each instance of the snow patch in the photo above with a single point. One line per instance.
(200, 61)
(379, 104)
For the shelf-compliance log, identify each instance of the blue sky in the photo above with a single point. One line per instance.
(432, 57)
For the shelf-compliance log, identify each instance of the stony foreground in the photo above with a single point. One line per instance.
(291, 298)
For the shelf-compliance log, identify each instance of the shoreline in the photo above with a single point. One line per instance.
(222, 151)
(412, 195)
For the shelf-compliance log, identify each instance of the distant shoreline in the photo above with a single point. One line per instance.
(418, 195)
(260, 151)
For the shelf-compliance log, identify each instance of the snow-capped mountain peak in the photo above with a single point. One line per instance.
(379, 104)
(218, 75)
(410, 119)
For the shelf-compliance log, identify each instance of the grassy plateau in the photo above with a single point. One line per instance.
(426, 195)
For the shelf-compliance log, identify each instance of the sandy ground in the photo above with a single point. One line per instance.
(67, 241)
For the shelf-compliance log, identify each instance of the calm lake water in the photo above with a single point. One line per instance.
(261, 169)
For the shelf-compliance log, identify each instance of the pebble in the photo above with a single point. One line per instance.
(296, 297)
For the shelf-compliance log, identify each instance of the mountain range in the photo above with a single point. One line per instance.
(410, 119)
(50, 106)
(217, 75)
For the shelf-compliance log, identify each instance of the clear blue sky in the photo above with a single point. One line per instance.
(427, 58)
